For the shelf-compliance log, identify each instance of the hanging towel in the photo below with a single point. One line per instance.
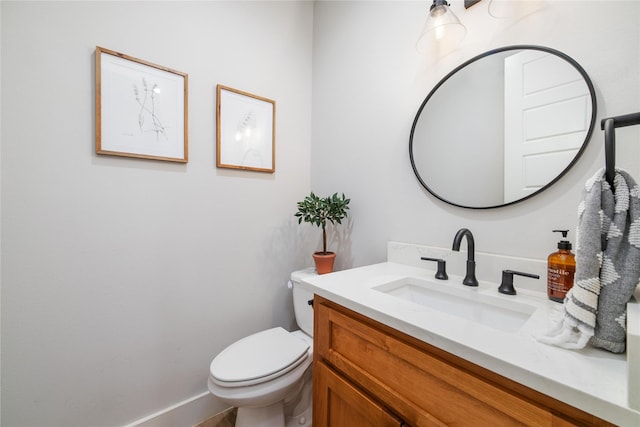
(607, 266)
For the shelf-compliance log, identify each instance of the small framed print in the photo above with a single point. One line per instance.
(245, 131)
(141, 108)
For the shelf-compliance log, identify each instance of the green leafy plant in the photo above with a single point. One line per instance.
(317, 211)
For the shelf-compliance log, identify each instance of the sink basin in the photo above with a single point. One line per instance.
(466, 303)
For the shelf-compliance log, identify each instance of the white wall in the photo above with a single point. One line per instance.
(368, 82)
(122, 278)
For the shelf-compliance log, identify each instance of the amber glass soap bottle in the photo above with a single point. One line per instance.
(561, 267)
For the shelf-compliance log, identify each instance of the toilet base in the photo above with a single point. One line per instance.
(298, 410)
(294, 411)
(264, 416)
(303, 419)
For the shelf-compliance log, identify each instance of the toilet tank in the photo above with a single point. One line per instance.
(301, 297)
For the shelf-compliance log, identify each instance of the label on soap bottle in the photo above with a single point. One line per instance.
(559, 280)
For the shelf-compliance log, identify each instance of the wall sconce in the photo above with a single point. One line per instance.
(442, 30)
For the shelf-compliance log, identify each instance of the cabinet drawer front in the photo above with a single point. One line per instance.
(422, 387)
(341, 404)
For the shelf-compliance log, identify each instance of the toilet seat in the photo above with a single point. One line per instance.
(277, 351)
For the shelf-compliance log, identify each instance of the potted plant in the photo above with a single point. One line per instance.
(318, 211)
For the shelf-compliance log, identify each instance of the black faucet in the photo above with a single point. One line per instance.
(470, 277)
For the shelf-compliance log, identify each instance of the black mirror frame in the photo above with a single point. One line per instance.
(562, 55)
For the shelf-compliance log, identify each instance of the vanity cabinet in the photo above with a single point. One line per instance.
(366, 373)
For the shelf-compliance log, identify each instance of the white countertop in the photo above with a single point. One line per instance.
(593, 380)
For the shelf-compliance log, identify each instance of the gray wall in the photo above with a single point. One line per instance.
(369, 81)
(122, 278)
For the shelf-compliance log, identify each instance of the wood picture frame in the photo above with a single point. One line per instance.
(141, 108)
(245, 131)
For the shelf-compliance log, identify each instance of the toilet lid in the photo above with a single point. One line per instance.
(258, 357)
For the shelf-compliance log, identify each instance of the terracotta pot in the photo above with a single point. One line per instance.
(324, 261)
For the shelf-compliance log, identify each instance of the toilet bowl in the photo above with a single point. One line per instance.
(267, 375)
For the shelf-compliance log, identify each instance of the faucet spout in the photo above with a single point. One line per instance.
(470, 277)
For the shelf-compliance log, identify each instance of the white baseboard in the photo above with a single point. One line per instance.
(184, 414)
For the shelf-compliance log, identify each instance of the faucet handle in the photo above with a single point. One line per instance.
(506, 286)
(442, 267)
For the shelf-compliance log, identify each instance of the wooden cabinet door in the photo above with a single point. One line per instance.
(339, 404)
(421, 387)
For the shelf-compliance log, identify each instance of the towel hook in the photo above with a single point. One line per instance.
(609, 125)
(610, 150)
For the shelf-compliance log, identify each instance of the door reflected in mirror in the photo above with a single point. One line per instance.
(502, 127)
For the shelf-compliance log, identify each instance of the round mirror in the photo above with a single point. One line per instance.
(502, 127)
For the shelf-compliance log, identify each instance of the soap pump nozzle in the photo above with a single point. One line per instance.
(563, 244)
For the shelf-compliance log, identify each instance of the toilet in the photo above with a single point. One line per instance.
(267, 375)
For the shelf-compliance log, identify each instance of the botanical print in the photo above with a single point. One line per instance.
(147, 101)
(142, 109)
(245, 131)
(250, 142)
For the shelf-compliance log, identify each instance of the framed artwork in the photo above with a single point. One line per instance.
(246, 136)
(141, 108)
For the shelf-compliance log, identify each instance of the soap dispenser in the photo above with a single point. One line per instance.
(561, 267)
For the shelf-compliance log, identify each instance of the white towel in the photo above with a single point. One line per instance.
(607, 266)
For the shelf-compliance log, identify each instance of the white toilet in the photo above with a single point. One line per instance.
(267, 375)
